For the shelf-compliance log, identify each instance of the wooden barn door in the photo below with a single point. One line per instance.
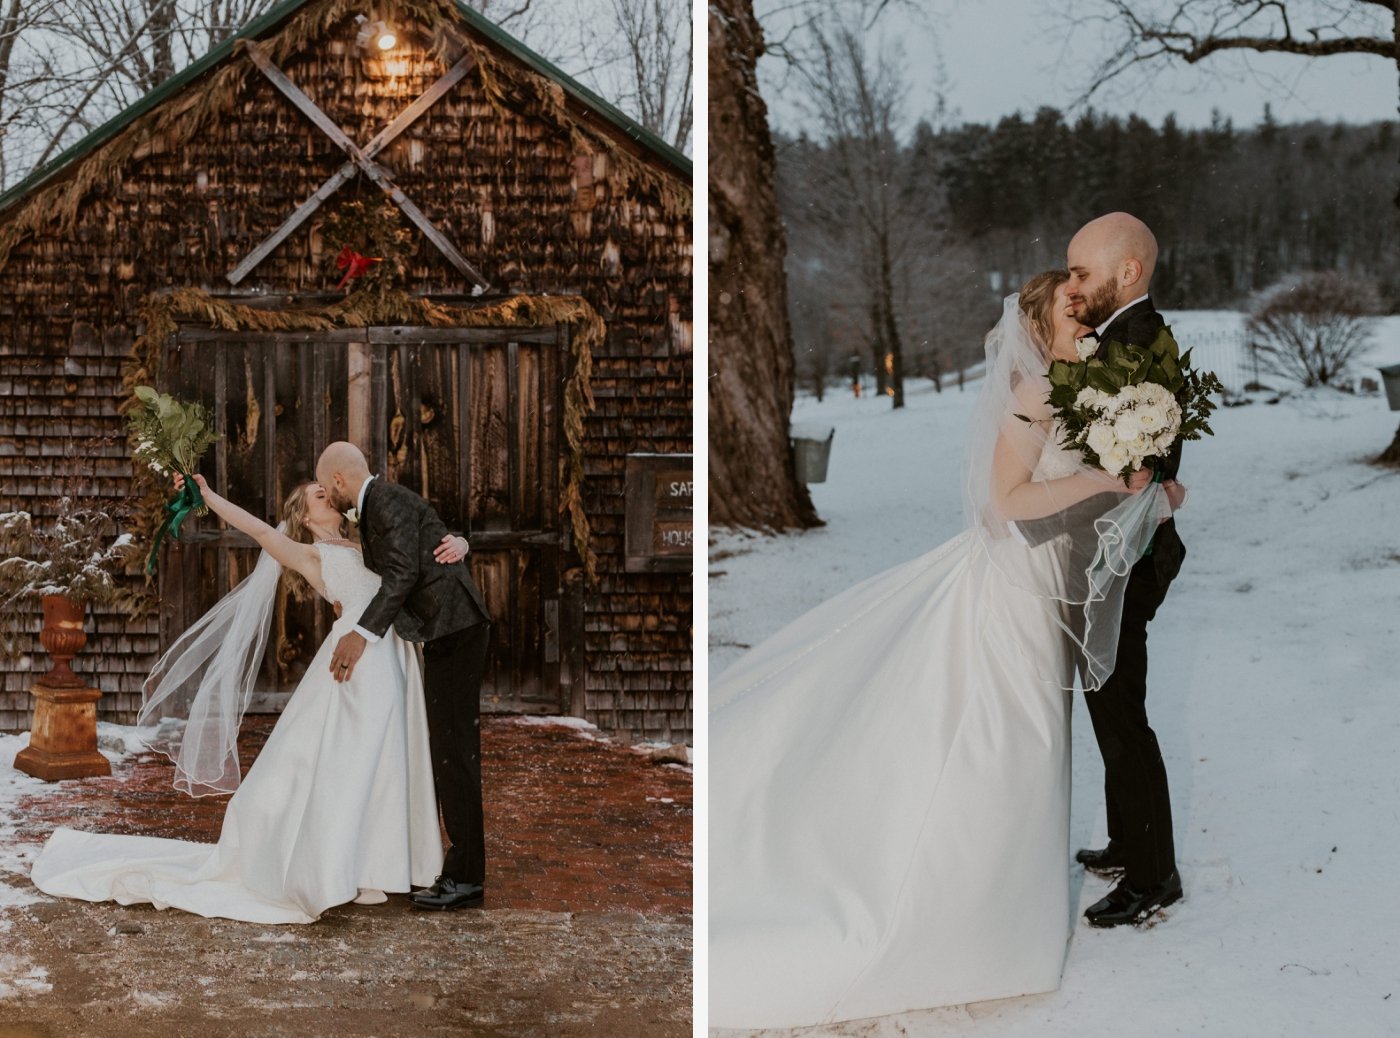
(469, 418)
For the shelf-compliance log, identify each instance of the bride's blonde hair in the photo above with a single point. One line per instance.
(297, 516)
(1036, 299)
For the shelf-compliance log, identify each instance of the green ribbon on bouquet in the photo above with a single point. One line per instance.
(186, 500)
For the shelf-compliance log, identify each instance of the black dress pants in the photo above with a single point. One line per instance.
(453, 667)
(1135, 778)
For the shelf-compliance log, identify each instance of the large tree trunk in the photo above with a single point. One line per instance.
(752, 480)
(895, 349)
(1391, 455)
(878, 349)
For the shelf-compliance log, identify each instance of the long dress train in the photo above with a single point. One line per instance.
(341, 797)
(889, 795)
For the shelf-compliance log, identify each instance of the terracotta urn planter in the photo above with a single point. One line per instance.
(63, 737)
(63, 637)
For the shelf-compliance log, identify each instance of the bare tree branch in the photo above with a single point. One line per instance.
(1194, 30)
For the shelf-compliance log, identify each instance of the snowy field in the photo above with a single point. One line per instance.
(1274, 690)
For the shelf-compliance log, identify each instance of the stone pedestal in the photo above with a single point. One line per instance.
(63, 738)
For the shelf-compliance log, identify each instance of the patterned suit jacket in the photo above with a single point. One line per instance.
(421, 598)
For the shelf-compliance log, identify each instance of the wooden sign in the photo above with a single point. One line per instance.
(660, 491)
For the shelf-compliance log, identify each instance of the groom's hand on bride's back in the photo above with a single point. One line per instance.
(452, 549)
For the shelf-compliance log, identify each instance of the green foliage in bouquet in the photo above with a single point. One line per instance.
(1118, 377)
(171, 436)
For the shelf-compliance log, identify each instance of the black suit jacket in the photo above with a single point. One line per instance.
(1138, 326)
(419, 596)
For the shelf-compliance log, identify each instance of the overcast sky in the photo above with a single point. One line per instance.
(1000, 56)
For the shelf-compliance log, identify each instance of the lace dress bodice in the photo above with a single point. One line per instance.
(346, 579)
(1056, 462)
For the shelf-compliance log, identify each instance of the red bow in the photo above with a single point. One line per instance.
(353, 264)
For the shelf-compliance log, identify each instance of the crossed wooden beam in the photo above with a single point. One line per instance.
(362, 161)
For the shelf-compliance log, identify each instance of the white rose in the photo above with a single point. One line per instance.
(1158, 396)
(1101, 438)
(1089, 397)
(1116, 460)
(1087, 346)
(1129, 426)
(1151, 418)
(353, 514)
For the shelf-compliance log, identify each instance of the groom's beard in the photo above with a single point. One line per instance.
(339, 501)
(1099, 307)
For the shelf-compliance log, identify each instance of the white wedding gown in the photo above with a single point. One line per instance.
(889, 795)
(341, 797)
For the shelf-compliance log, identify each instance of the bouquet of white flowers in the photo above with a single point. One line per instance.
(1121, 405)
(170, 437)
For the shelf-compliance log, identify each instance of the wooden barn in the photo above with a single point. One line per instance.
(513, 340)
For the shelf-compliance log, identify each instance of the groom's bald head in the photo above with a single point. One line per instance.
(1111, 260)
(342, 469)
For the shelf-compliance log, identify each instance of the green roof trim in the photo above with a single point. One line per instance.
(581, 93)
(479, 22)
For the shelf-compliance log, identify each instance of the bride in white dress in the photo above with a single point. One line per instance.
(889, 774)
(339, 804)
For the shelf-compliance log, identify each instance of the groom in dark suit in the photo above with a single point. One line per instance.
(440, 606)
(1111, 261)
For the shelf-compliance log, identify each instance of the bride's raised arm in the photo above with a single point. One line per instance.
(1015, 495)
(289, 553)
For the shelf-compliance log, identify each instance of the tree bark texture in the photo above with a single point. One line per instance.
(752, 477)
(1391, 455)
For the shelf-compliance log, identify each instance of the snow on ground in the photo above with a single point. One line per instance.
(1274, 690)
(20, 977)
(115, 742)
(588, 730)
(15, 890)
(558, 721)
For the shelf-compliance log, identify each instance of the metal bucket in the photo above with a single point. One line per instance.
(811, 450)
(1391, 377)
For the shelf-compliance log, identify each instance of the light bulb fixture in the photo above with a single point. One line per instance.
(375, 33)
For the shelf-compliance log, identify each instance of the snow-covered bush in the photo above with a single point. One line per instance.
(1310, 327)
(78, 554)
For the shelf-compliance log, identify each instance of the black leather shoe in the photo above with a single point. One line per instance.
(448, 893)
(1126, 904)
(1107, 862)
